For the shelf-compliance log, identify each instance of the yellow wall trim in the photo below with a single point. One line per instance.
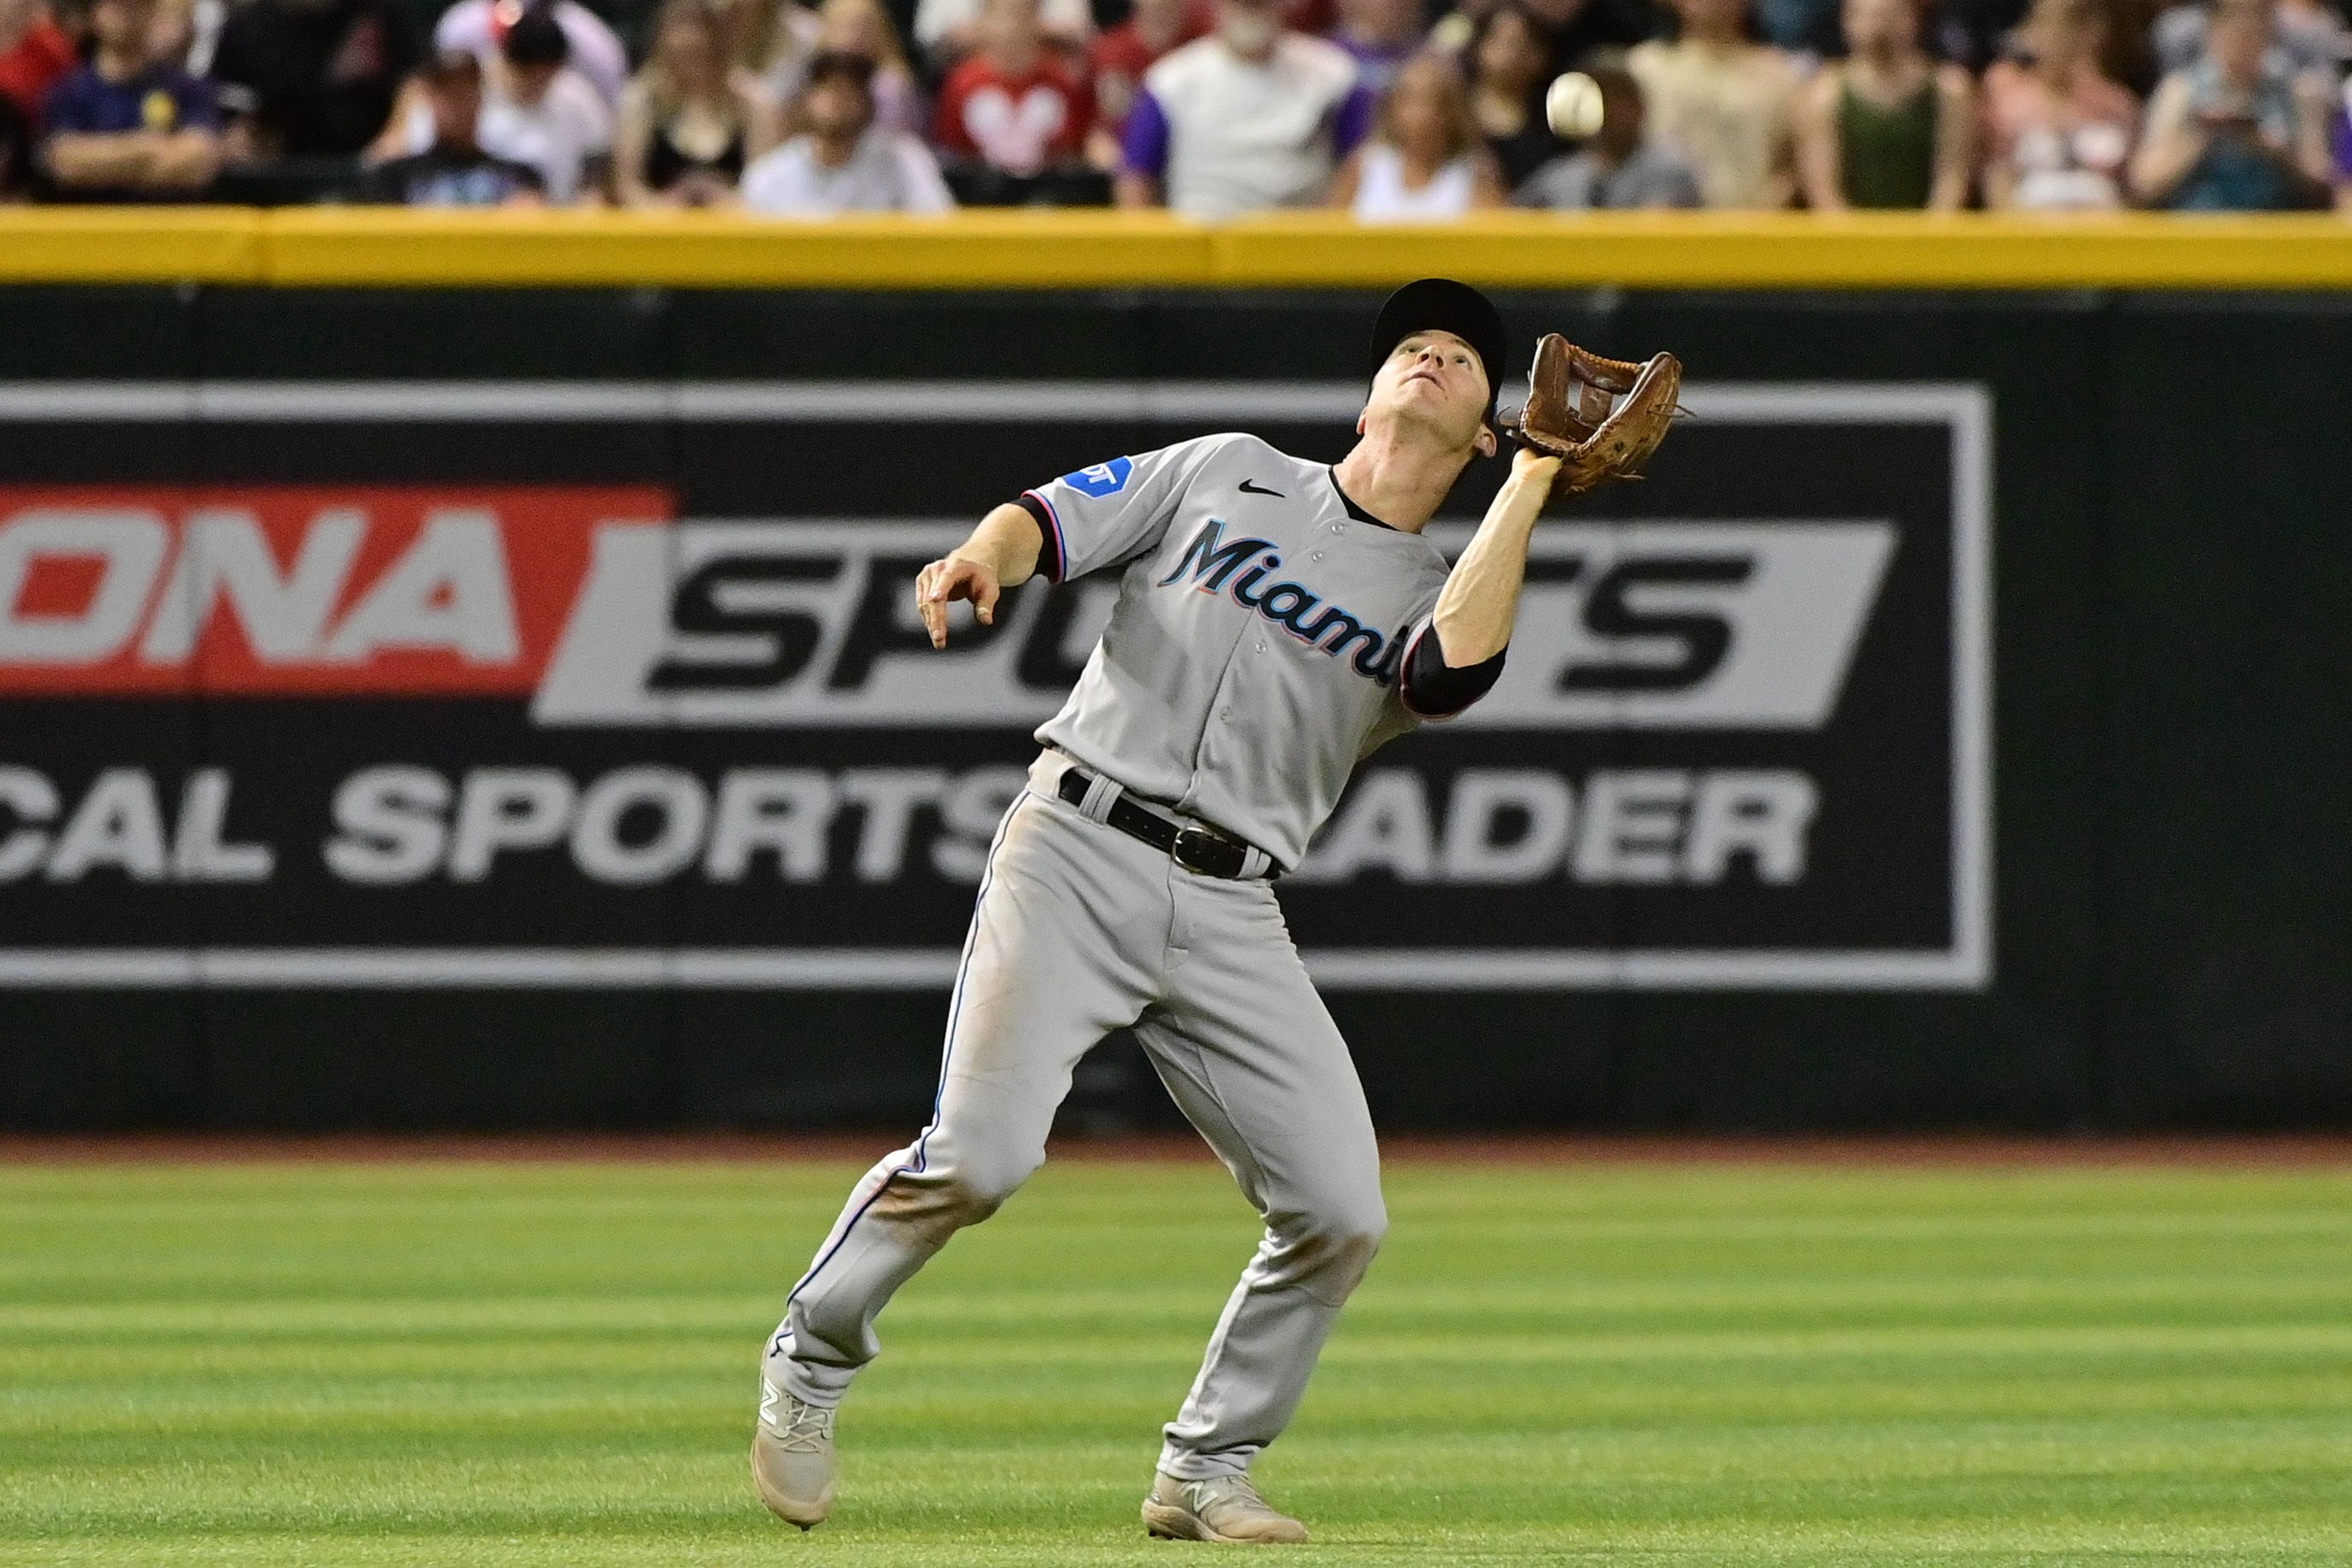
(329, 246)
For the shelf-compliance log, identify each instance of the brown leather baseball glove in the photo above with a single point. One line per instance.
(1602, 417)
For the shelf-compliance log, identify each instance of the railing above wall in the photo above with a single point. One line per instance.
(327, 248)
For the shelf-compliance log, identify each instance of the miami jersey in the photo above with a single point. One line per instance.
(1259, 646)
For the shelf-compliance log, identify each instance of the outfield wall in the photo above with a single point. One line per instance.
(486, 705)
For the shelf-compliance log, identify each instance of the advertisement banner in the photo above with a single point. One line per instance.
(520, 684)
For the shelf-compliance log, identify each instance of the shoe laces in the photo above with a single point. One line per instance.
(805, 1429)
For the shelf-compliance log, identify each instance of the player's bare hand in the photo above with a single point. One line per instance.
(1533, 468)
(942, 582)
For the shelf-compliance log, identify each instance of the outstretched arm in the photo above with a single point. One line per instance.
(1481, 597)
(1000, 553)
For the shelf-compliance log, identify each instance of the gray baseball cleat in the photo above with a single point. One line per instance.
(1227, 1509)
(792, 1457)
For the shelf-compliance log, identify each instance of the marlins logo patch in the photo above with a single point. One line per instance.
(1102, 480)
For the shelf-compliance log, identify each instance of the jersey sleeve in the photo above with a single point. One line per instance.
(1113, 511)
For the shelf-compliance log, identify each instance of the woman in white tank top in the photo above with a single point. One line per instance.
(1427, 162)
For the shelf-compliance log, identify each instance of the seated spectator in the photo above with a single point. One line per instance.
(1507, 57)
(769, 41)
(479, 26)
(128, 126)
(687, 125)
(1122, 55)
(2240, 131)
(1807, 29)
(2312, 37)
(1724, 103)
(1888, 126)
(17, 145)
(863, 28)
(312, 79)
(540, 112)
(1380, 36)
(36, 54)
(1621, 166)
(2343, 148)
(1011, 105)
(2057, 131)
(1254, 116)
(1426, 160)
(454, 171)
(1580, 27)
(845, 161)
(947, 30)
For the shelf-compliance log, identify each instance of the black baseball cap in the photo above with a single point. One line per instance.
(1440, 304)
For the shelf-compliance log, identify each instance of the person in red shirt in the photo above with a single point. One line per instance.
(1123, 53)
(1012, 104)
(36, 54)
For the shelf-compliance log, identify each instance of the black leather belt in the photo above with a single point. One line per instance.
(1210, 854)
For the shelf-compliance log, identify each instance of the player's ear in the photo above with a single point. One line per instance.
(1367, 414)
(1486, 443)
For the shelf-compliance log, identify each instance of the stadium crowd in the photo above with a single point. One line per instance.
(1211, 107)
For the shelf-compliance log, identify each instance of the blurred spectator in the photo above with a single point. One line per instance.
(1621, 166)
(1577, 28)
(17, 143)
(540, 112)
(2343, 149)
(1724, 102)
(1253, 116)
(2240, 131)
(479, 26)
(687, 124)
(947, 30)
(2311, 36)
(1426, 160)
(128, 126)
(1802, 27)
(1969, 34)
(863, 28)
(2057, 131)
(1507, 55)
(1122, 55)
(454, 171)
(34, 55)
(1888, 126)
(772, 41)
(312, 79)
(1010, 104)
(1380, 36)
(845, 161)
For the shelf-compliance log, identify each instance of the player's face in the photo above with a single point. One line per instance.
(1434, 380)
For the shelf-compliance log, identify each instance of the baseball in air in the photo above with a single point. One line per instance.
(1572, 105)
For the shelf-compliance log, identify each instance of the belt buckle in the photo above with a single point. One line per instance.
(1193, 850)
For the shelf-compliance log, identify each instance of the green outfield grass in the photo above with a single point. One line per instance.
(554, 1364)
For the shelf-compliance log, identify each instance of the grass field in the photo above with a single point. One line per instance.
(552, 1363)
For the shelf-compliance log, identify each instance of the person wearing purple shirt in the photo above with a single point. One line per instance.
(1251, 117)
(129, 126)
(2343, 147)
(1380, 36)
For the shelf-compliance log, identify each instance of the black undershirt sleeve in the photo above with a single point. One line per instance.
(1436, 690)
(1049, 557)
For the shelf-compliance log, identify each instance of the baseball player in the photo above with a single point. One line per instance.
(1277, 620)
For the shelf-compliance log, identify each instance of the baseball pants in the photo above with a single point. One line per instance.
(1080, 929)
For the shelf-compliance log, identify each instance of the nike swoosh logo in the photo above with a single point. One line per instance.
(1250, 490)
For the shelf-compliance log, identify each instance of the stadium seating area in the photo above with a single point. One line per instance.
(1213, 108)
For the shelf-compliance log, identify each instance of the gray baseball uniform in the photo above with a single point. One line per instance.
(1260, 647)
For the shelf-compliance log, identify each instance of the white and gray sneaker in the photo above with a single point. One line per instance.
(1227, 1509)
(792, 1457)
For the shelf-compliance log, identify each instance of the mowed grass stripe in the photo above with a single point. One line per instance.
(552, 1363)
